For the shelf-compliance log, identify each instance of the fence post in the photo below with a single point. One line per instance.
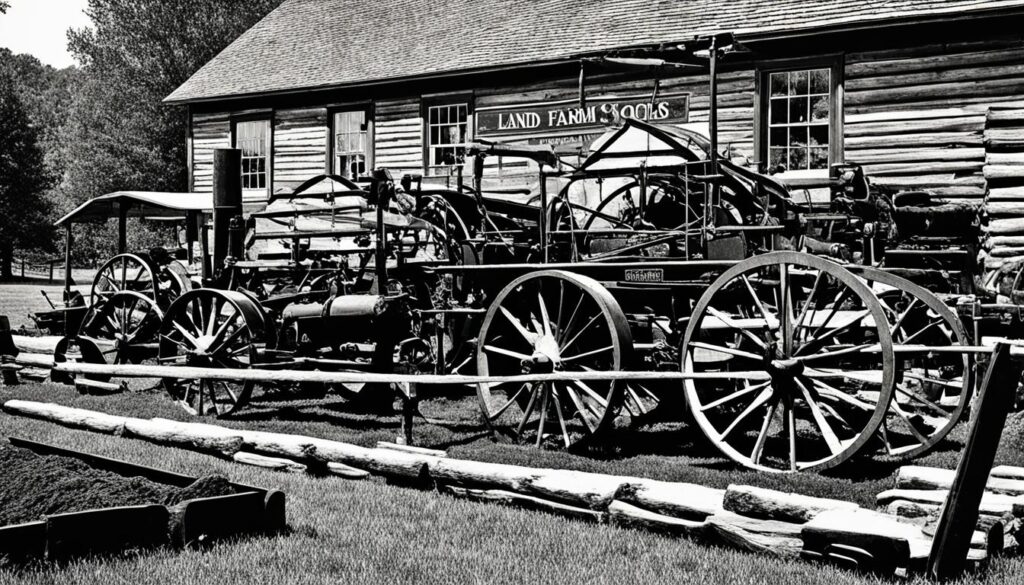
(50, 278)
(7, 348)
(948, 556)
(23, 268)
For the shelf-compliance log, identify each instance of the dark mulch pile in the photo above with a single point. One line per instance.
(33, 486)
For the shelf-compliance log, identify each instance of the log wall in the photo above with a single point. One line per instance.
(300, 145)
(209, 131)
(398, 136)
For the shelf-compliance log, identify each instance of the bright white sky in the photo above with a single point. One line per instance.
(39, 27)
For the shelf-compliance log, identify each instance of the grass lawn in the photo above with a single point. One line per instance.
(370, 532)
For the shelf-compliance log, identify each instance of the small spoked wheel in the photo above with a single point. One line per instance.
(124, 272)
(121, 330)
(212, 329)
(547, 322)
(934, 378)
(795, 363)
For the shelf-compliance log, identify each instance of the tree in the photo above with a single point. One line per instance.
(119, 135)
(24, 211)
(4, 5)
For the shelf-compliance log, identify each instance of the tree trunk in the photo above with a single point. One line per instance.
(6, 260)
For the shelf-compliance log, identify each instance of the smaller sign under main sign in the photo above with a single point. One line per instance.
(567, 116)
(645, 275)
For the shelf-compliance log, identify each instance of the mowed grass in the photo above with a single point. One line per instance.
(371, 532)
(19, 300)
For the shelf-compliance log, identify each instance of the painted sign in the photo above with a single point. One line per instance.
(645, 275)
(567, 116)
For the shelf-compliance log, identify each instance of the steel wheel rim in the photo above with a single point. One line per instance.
(801, 387)
(210, 328)
(117, 327)
(906, 398)
(124, 272)
(574, 305)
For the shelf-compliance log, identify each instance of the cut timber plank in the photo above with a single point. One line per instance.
(1009, 241)
(1008, 193)
(863, 528)
(771, 504)
(480, 474)
(625, 514)
(1008, 471)
(87, 386)
(997, 172)
(71, 417)
(680, 500)
(272, 463)
(43, 344)
(932, 478)
(1006, 226)
(523, 501)
(729, 533)
(348, 472)
(995, 504)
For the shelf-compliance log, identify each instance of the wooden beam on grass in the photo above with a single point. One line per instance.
(949, 552)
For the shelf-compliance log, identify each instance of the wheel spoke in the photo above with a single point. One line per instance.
(581, 408)
(561, 417)
(738, 394)
(757, 300)
(580, 332)
(807, 302)
(505, 406)
(529, 410)
(818, 337)
(758, 401)
(762, 435)
(507, 352)
(545, 391)
(572, 320)
(935, 408)
(185, 334)
(561, 307)
(726, 350)
(545, 320)
(530, 337)
(729, 322)
(833, 442)
(587, 354)
(827, 390)
(790, 414)
(590, 392)
(931, 324)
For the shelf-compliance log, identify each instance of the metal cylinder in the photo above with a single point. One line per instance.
(227, 199)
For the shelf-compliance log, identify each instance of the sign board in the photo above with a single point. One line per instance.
(645, 275)
(566, 117)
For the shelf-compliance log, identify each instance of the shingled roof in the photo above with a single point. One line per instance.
(310, 44)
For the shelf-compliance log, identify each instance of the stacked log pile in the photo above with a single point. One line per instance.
(745, 517)
(1004, 171)
(920, 493)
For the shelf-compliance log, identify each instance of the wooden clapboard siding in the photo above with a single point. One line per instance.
(398, 136)
(209, 132)
(300, 145)
(918, 118)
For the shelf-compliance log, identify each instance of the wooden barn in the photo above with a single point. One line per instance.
(925, 94)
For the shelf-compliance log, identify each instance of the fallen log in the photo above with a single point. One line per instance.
(1006, 226)
(931, 478)
(272, 463)
(292, 447)
(45, 344)
(522, 501)
(679, 500)
(411, 449)
(406, 467)
(183, 435)
(929, 513)
(464, 473)
(731, 534)
(771, 504)
(36, 360)
(996, 504)
(997, 172)
(87, 386)
(1008, 472)
(69, 417)
(627, 515)
(1006, 193)
(1007, 241)
(593, 490)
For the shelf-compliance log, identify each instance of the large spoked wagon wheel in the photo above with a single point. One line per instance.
(211, 329)
(785, 385)
(122, 329)
(934, 377)
(545, 322)
(124, 272)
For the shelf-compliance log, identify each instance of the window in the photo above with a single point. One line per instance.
(253, 139)
(350, 144)
(447, 132)
(800, 112)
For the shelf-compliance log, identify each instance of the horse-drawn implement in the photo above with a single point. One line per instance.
(800, 332)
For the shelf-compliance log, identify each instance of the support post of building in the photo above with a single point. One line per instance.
(122, 226)
(227, 200)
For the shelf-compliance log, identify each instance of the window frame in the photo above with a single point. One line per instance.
(268, 118)
(428, 102)
(371, 146)
(835, 65)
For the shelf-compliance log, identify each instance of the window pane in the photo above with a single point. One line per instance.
(779, 84)
(797, 159)
(797, 110)
(819, 158)
(778, 137)
(778, 157)
(446, 125)
(798, 83)
(798, 136)
(819, 135)
(779, 109)
(820, 81)
(819, 108)
(252, 138)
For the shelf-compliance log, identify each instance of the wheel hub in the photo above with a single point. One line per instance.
(546, 357)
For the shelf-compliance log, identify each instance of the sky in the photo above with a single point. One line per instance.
(39, 28)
